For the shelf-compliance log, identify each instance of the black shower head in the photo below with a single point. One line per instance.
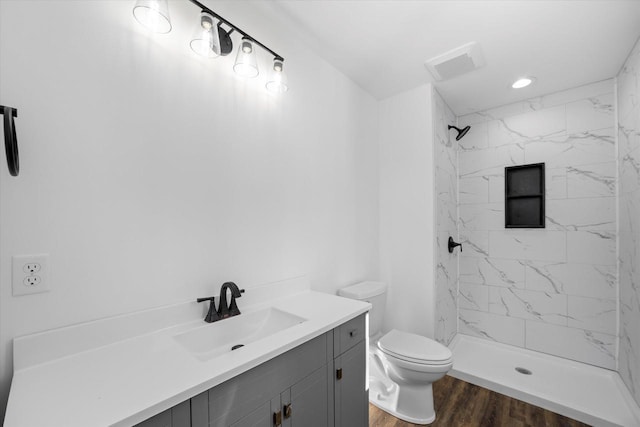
(461, 132)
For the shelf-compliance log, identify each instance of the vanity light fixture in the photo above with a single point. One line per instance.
(212, 40)
(522, 82)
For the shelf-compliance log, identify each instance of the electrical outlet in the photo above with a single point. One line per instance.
(30, 274)
(32, 281)
(31, 267)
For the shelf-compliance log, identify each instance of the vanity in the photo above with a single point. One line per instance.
(319, 383)
(297, 359)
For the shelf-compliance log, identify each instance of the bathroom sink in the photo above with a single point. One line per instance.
(213, 339)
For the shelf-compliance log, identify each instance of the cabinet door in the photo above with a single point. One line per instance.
(200, 410)
(181, 415)
(261, 417)
(309, 401)
(351, 396)
(230, 401)
(178, 416)
(163, 419)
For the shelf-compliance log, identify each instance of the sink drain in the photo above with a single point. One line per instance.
(237, 346)
(524, 371)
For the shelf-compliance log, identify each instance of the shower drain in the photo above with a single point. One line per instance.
(524, 371)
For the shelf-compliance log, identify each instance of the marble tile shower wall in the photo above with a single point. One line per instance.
(629, 220)
(446, 221)
(554, 289)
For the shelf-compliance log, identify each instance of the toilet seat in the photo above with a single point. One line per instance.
(414, 348)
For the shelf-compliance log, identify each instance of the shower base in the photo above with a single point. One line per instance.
(592, 395)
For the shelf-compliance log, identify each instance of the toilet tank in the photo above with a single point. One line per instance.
(374, 293)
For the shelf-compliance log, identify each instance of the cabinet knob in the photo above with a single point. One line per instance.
(339, 373)
(287, 411)
(277, 419)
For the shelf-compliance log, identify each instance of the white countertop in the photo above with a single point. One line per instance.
(128, 380)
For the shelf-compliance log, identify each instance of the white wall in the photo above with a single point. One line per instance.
(407, 210)
(151, 176)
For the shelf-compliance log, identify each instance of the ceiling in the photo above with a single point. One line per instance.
(382, 44)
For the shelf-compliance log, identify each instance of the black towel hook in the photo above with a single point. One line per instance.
(10, 140)
(453, 244)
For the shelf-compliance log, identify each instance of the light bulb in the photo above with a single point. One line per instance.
(246, 65)
(153, 14)
(278, 79)
(523, 82)
(206, 42)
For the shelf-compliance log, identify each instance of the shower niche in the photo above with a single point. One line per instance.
(524, 196)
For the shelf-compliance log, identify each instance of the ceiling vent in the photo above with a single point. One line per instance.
(456, 62)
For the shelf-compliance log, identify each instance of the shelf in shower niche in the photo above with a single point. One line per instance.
(524, 196)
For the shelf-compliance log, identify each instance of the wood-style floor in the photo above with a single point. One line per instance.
(459, 403)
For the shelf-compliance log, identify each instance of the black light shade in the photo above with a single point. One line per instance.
(461, 132)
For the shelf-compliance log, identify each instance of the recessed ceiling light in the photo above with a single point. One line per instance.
(523, 82)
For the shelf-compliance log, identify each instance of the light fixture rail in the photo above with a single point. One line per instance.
(237, 29)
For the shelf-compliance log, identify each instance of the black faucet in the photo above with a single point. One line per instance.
(225, 310)
(212, 314)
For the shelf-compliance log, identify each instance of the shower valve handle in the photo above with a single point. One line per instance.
(453, 244)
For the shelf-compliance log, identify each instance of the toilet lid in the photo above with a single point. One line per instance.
(414, 348)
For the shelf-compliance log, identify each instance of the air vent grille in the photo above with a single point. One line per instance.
(456, 62)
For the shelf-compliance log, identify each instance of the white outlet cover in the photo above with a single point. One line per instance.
(20, 274)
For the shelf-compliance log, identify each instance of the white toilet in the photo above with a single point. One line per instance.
(402, 365)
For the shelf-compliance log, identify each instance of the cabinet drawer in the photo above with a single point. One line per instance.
(349, 334)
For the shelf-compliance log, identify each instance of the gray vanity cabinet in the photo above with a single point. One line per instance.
(299, 388)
